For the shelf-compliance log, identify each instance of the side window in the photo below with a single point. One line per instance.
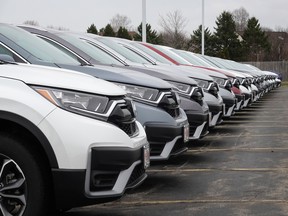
(63, 49)
(6, 51)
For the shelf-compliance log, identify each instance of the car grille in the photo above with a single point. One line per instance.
(170, 105)
(173, 112)
(214, 89)
(137, 175)
(129, 128)
(124, 117)
(197, 95)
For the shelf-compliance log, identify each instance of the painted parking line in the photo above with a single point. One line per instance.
(236, 150)
(151, 170)
(265, 108)
(241, 120)
(243, 135)
(231, 201)
(254, 126)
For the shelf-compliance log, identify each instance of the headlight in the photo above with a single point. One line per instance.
(87, 104)
(181, 88)
(202, 83)
(137, 92)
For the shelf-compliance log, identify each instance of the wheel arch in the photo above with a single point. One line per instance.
(12, 123)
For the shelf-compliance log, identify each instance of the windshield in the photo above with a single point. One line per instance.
(191, 58)
(222, 63)
(95, 52)
(127, 53)
(211, 61)
(237, 65)
(172, 55)
(153, 54)
(37, 47)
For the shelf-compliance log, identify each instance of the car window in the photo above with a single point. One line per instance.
(37, 47)
(6, 51)
(172, 55)
(89, 49)
(150, 52)
(63, 49)
(130, 55)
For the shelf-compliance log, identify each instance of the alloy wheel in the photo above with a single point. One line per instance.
(13, 188)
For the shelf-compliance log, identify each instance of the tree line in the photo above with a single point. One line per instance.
(236, 36)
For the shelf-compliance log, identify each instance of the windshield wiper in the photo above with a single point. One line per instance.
(86, 64)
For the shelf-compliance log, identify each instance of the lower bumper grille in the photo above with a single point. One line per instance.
(137, 176)
(102, 181)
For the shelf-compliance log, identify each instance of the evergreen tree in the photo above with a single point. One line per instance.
(101, 31)
(123, 33)
(227, 45)
(151, 35)
(108, 31)
(255, 41)
(92, 29)
(195, 43)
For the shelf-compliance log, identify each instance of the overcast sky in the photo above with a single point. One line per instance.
(78, 15)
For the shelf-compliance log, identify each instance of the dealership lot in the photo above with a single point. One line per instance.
(240, 168)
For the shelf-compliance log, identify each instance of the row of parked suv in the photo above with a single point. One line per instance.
(82, 115)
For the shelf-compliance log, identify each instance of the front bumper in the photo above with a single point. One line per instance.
(229, 107)
(248, 96)
(165, 141)
(215, 109)
(229, 102)
(198, 117)
(199, 124)
(165, 133)
(74, 139)
(109, 173)
(240, 100)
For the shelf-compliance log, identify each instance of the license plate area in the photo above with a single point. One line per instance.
(186, 133)
(146, 156)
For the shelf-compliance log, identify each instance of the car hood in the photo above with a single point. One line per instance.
(59, 78)
(120, 75)
(182, 71)
(206, 71)
(161, 74)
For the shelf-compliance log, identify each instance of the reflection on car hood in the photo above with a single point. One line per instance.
(183, 71)
(163, 74)
(59, 78)
(120, 75)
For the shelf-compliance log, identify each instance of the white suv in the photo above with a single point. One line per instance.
(66, 139)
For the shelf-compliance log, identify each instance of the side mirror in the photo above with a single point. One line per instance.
(6, 58)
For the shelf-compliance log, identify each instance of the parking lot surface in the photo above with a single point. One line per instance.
(240, 168)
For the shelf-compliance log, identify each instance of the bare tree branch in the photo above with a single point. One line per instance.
(173, 25)
(120, 21)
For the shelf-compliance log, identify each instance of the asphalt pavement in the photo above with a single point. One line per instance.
(240, 168)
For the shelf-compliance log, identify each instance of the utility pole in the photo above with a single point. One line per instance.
(203, 28)
(144, 21)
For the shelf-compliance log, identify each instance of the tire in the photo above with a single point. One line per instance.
(22, 186)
